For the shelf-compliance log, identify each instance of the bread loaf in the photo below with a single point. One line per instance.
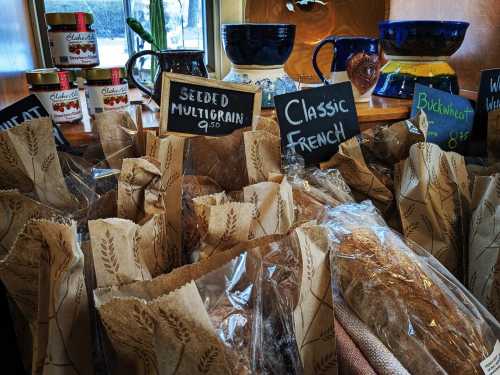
(430, 327)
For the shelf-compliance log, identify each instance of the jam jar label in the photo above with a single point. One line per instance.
(62, 106)
(74, 48)
(105, 98)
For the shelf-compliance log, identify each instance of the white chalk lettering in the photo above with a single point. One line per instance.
(287, 114)
(224, 100)
(313, 142)
(184, 93)
(495, 85)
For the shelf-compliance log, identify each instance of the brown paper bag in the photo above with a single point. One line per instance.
(153, 246)
(162, 325)
(170, 154)
(168, 334)
(391, 144)
(220, 159)
(263, 155)
(268, 124)
(193, 229)
(116, 131)
(494, 136)
(137, 189)
(349, 160)
(43, 273)
(116, 251)
(272, 208)
(314, 316)
(28, 157)
(433, 199)
(228, 224)
(152, 142)
(17, 210)
(202, 207)
(484, 243)
(267, 209)
(366, 162)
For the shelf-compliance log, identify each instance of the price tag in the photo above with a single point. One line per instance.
(450, 117)
(201, 106)
(489, 91)
(315, 122)
(491, 365)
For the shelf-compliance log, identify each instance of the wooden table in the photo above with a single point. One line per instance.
(378, 110)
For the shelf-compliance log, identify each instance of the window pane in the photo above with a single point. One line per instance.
(109, 23)
(183, 18)
(184, 29)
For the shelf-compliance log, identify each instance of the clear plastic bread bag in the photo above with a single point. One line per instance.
(431, 323)
(250, 303)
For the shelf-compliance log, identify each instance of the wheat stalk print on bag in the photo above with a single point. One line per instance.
(313, 316)
(484, 242)
(162, 325)
(366, 162)
(273, 208)
(165, 334)
(433, 199)
(114, 248)
(17, 210)
(267, 209)
(43, 273)
(153, 245)
(228, 224)
(351, 163)
(262, 151)
(137, 183)
(26, 154)
(116, 130)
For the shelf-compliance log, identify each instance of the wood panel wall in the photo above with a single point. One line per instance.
(481, 48)
(336, 17)
(17, 50)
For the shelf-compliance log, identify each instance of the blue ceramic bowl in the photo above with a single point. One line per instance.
(422, 38)
(258, 43)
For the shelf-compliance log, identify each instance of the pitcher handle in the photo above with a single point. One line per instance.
(130, 70)
(330, 39)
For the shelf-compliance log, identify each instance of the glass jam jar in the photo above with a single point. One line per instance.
(73, 42)
(58, 93)
(106, 89)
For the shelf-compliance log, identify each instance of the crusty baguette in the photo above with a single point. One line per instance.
(407, 304)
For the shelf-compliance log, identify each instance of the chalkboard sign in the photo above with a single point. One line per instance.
(315, 122)
(200, 106)
(489, 91)
(26, 109)
(450, 117)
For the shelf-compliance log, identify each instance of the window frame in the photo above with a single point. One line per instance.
(37, 10)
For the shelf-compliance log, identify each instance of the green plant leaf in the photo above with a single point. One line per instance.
(141, 31)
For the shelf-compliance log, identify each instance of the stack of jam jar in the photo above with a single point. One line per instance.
(73, 47)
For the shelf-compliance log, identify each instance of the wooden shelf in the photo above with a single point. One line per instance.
(378, 110)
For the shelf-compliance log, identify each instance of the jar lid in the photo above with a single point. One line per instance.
(56, 19)
(48, 76)
(102, 74)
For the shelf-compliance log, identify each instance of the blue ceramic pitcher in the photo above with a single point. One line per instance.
(355, 59)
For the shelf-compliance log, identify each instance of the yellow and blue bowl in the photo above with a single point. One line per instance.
(418, 52)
